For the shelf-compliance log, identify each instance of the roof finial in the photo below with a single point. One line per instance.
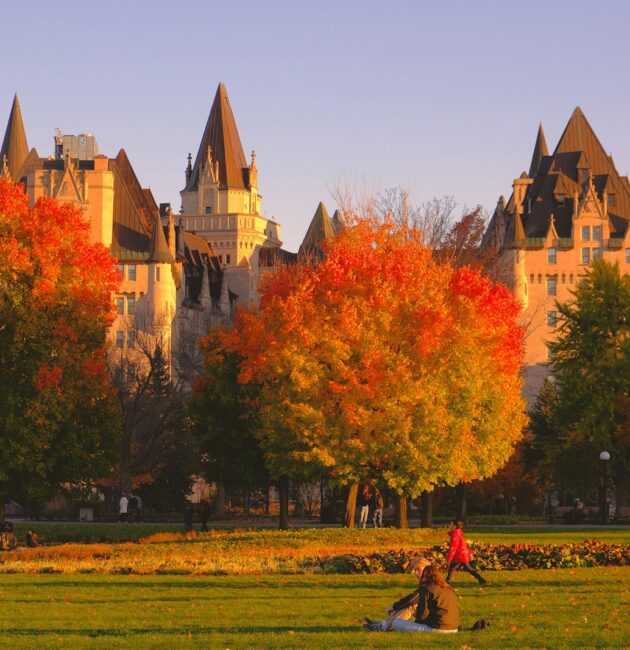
(189, 166)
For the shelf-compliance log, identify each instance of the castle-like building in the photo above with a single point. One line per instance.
(570, 208)
(172, 282)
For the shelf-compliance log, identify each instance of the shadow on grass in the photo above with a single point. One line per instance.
(101, 632)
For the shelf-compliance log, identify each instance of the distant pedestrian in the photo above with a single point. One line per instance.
(32, 539)
(204, 513)
(364, 504)
(188, 517)
(139, 508)
(123, 508)
(459, 554)
(377, 508)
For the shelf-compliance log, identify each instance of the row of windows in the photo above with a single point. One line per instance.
(128, 271)
(563, 278)
(227, 259)
(587, 255)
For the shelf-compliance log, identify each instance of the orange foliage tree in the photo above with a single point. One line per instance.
(382, 361)
(57, 423)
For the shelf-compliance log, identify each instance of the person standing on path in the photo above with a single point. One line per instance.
(459, 554)
(204, 513)
(123, 507)
(364, 504)
(377, 508)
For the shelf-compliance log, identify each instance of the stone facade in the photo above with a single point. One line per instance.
(571, 208)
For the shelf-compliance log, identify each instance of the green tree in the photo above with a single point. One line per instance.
(591, 364)
(225, 421)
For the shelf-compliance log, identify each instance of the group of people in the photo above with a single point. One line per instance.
(433, 606)
(370, 500)
(133, 500)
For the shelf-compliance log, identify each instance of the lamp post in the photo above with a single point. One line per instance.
(604, 457)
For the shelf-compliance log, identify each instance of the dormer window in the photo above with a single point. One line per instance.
(551, 255)
(583, 175)
(561, 198)
(208, 209)
(611, 200)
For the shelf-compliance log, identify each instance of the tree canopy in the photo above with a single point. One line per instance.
(383, 361)
(57, 424)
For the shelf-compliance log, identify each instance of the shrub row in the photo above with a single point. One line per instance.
(590, 553)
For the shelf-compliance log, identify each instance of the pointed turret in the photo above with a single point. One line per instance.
(540, 150)
(158, 248)
(221, 135)
(519, 231)
(338, 221)
(14, 145)
(320, 229)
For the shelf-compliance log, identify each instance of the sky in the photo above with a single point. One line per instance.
(440, 98)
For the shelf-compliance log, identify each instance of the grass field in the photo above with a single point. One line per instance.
(571, 608)
(508, 534)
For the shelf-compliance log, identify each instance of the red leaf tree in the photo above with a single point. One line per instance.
(383, 362)
(56, 425)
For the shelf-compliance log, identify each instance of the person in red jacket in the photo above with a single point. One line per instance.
(458, 553)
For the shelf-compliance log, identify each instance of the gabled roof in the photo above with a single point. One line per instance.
(321, 228)
(540, 151)
(135, 211)
(14, 145)
(222, 136)
(560, 174)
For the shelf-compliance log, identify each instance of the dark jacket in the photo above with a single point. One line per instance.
(437, 607)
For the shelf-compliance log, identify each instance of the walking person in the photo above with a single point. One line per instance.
(378, 504)
(459, 554)
(139, 507)
(204, 513)
(123, 507)
(364, 504)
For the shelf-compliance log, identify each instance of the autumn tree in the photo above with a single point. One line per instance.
(383, 362)
(57, 424)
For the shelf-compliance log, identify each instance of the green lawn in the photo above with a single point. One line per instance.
(98, 532)
(581, 608)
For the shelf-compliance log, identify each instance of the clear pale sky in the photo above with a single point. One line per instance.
(439, 97)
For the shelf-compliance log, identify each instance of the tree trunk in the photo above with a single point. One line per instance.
(351, 506)
(267, 501)
(218, 505)
(622, 486)
(2, 498)
(283, 488)
(400, 511)
(460, 502)
(426, 502)
(322, 499)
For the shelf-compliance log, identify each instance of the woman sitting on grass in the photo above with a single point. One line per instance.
(437, 609)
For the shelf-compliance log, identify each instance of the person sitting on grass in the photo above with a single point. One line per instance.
(458, 554)
(405, 608)
(437, 609)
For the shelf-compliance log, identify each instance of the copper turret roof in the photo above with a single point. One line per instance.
(321, 228)
(14, 145)
(540, 151)
(221, 135)
(158, 247)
